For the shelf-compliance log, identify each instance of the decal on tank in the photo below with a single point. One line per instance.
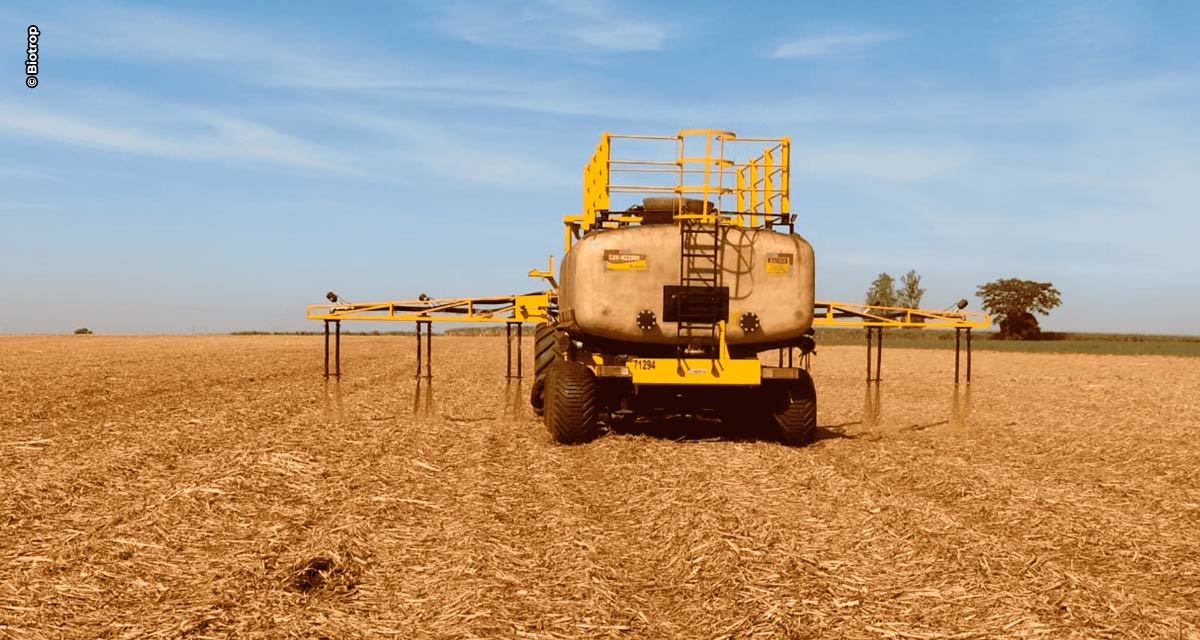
(779, 264)
(624, 260)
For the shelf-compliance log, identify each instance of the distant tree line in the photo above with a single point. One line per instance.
(1011, 301)
(884, 292)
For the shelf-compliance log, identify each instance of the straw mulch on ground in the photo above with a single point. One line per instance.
(208, 487)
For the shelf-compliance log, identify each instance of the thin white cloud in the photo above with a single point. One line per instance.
(18, 171)
(894, 164)
(576, 26)
(832, 44)
(1073, 38)
(209, 136)
(1072, 107)
(256, 56)
(462, 155)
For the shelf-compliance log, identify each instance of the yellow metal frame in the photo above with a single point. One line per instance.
(695, 371)
(548, 274)
(724, 370)
(849, 314)
(532, 307)
(721, 370)
(759, 185)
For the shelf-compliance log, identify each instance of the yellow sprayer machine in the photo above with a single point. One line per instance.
(683, 268)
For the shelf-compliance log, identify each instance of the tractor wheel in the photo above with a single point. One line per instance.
(795, 410)
(572, 403)
(546, 349)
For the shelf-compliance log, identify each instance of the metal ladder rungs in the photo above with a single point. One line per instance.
(700, 271)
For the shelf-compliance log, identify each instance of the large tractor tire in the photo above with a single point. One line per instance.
(547, 348)
(572, 403)
(795, 410)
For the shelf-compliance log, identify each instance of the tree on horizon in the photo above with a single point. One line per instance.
(1014, 301)
(882, 292)
(910, 292)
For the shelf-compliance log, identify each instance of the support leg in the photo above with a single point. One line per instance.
(429, 348)
(508, 351)
(957, 346)
(870, 336)
(878, 353)
(326, 349)
(418, 349)
(337, 349)
(968, 355)
(875, 335)
(520, 330)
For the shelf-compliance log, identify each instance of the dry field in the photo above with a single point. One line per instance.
(217, 487)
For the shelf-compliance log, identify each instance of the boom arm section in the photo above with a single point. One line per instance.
(847, 314)
(530, 307)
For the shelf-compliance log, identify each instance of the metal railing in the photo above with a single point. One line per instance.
(744, 188)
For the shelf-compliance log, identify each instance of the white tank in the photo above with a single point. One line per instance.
(611, 277)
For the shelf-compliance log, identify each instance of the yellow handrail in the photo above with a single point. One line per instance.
(759, 184)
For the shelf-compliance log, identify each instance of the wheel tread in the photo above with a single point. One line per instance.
(572, 403)
(797, 415)
(546, 349)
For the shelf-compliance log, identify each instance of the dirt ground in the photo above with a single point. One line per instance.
(217, 486)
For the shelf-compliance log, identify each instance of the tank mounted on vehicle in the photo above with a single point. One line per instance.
(681, 269)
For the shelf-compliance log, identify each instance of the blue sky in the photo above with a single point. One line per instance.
(217, 166)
